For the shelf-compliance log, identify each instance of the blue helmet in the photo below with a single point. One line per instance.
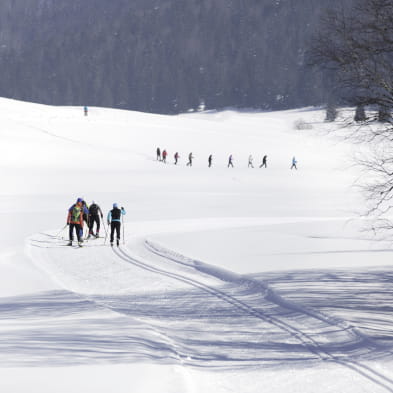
(115, 206)
(79, 200)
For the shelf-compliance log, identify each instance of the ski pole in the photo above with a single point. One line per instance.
(61, 230)
(103, 223)
(106, 232)
(122, 223)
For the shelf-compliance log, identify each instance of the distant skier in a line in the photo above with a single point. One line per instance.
(230, 161)
(158, 154)
(114, 220)
(190, 158)
(176, 156)
(294, 162)
(85, 110)
(210, 160)
(75, 221)
(264, 162)
(164, 154)
(250, 160)
(94, 217)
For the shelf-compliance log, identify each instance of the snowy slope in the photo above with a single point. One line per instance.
(238, 279)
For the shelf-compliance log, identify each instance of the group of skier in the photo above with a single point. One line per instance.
(162, 156)
(80, 213)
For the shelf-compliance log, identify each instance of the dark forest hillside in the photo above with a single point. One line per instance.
(163, 56)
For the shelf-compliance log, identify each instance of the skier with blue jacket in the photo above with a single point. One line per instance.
(294, 162)
(114, 220)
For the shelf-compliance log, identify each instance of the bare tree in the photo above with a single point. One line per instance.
(355, 45)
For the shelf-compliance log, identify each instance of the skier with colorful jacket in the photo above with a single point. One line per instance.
(164, 154)
(85, 214)
(95, 213)
(75, 221)
(114, 220)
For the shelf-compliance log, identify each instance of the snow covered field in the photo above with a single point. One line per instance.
(230, 280)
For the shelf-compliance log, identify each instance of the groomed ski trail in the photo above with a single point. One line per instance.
(304, 338)
(153, 258)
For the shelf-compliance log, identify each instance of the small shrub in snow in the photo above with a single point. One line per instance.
(301, 124)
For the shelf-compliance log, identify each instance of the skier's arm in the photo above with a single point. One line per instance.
(123, 211)
(69, 217)
(100, 212)
(109, 217)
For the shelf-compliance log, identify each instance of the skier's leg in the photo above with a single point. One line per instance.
(112, 231)
(71, 232)
(91, 223)
(118, 225)
(79, 231)
(98, 222)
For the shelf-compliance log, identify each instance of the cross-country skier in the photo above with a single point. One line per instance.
(158, 154)
(86, 110)
(75, 220)
(114, 220)
(164, 154)
(294, 162)
(250, 160)
(176, 156)
(85, 215)
(190, 158)
(94, 217)
(210, 160)
(230, 161)
(264, 162)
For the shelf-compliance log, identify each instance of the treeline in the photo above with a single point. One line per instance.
(162, 56)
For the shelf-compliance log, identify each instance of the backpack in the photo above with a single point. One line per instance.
(76, 214)
(116, 214)
(93, 209)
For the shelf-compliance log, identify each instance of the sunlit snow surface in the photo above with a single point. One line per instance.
(227, 280)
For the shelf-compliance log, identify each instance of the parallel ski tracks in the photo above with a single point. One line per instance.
(305, 339)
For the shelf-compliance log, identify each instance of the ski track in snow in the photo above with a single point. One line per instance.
(215, 318)
(306, 339)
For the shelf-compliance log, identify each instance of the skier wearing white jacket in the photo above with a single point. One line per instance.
(250, 160)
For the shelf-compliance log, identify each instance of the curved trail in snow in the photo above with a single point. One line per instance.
(305, 338)
(325, 338)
